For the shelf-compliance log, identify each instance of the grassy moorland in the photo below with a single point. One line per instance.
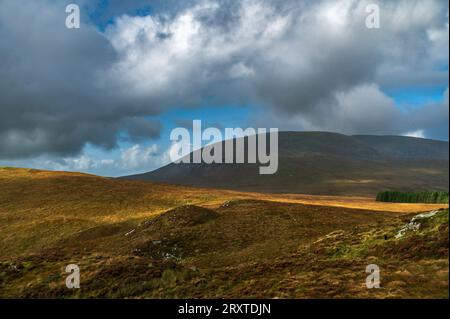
(135, 239)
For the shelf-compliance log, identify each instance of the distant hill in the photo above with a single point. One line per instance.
(327, 163)
(406, 147)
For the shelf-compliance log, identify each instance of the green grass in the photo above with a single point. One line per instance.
(431, 197)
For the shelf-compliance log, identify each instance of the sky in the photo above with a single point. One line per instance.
(104, 98)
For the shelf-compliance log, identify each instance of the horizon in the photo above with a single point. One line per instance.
(223, 140)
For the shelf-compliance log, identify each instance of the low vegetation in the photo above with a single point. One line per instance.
(435, 197)
(143, 240)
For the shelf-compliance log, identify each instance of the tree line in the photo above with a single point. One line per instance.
(436, 197)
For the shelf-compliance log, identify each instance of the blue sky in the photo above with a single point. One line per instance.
(141, 68)
(416, 97)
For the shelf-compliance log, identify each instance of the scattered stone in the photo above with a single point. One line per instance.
(415, 224)
(130, 232)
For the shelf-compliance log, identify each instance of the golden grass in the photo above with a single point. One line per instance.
(355, 202)
(40, 207)
(260, 245)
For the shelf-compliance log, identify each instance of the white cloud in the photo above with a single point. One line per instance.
(418, 134)
(298, 57)
(365, 109)
(138, 156)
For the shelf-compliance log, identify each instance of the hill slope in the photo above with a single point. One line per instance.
(326, 163)
(135, 239)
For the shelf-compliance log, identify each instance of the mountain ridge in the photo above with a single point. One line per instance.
(326, 163)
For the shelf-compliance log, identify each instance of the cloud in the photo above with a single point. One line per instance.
(417, 134)
(365, 109)
(129, 160)
(137, 156)
(311, 62)
(54, 96)
(432, 118)
(301, 59)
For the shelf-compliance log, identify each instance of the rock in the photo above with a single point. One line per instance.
(414, 224)
(130, 232)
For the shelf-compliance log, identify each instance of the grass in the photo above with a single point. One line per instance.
(203, 243)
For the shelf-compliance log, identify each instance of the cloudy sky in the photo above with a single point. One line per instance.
(103, 98)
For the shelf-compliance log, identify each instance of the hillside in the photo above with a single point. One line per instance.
(136, 239)
(327, 163)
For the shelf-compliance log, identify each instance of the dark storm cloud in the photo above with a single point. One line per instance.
(139, 128)
(54, 96)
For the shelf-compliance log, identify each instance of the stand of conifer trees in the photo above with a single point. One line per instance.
(437, 197)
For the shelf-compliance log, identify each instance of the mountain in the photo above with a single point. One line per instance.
(326, 163)
(406, 147)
